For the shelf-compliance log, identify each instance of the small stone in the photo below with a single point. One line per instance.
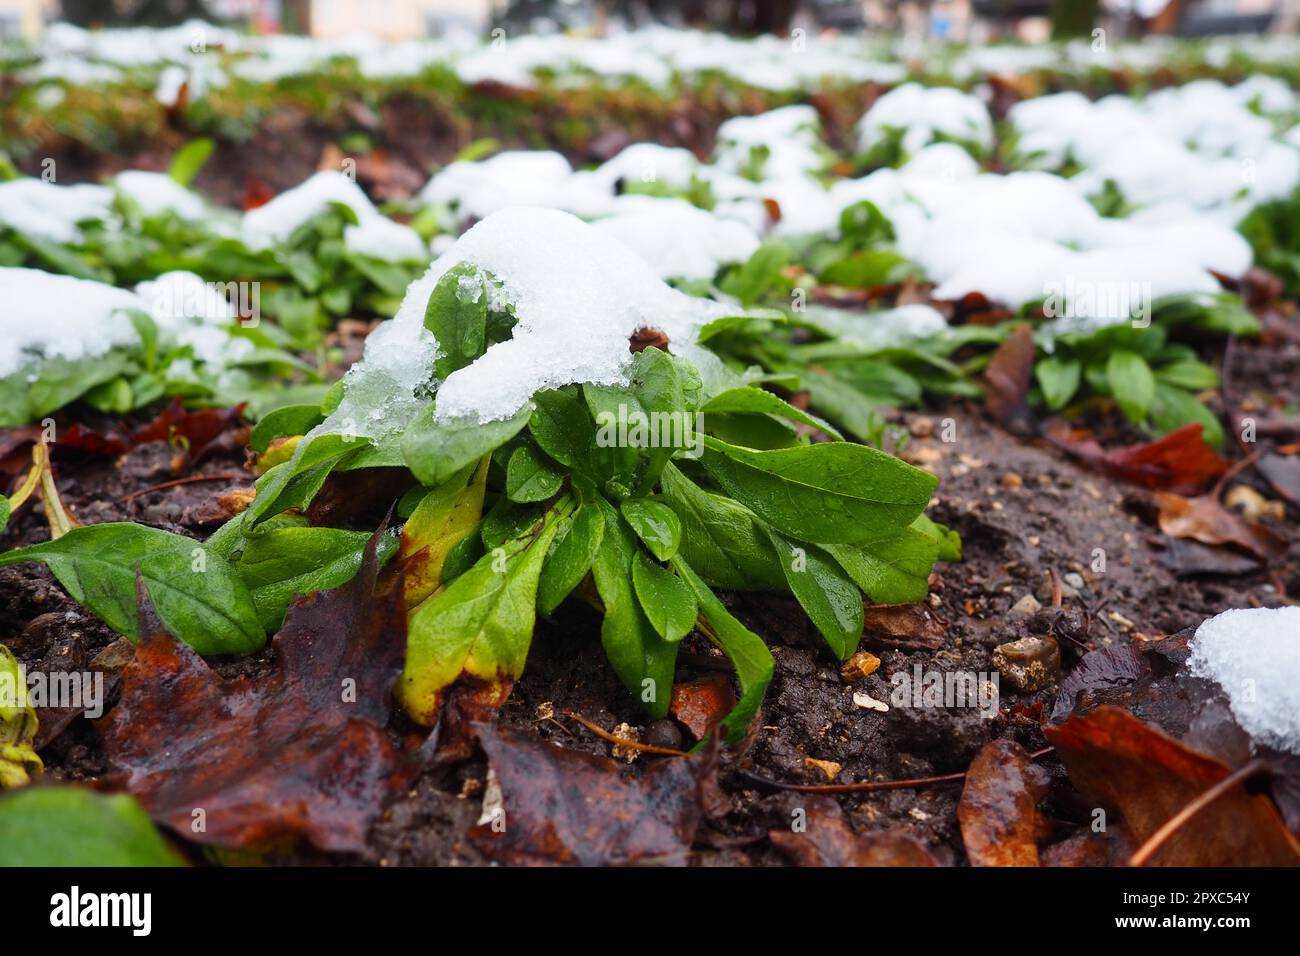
(1075, 580)
(922, 426)
(860, 665)
(1011, 480)
(1029, 664)
(868, 702)
(663, 733)
(1027, 606)
(828, 767)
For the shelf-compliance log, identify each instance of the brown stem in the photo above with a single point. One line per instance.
(873, 785)
(623, 741)
(182, 481)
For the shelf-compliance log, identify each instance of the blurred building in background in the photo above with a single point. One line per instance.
(963, 20)
(25, 18)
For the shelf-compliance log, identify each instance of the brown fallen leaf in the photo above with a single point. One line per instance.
(1126, 765)
(909, 626)
(1104, 669)
(998, 811)
(194, 429)
(256, 193)
(701, 704)
(1009, 373)
(826, 839)
(1283, 473)
(1111, 848)
(1180, 461)
(1190, 558)
(562, 806)
(1205, 520)
(299, 752)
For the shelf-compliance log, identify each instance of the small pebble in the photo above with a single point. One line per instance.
(663, 733)
(1029, 664)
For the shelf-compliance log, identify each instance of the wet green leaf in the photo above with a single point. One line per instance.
(76, 827)
(830, 493)
(198, 596)
(668, 602)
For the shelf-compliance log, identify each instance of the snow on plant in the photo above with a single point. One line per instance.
(550, 460)
(912, 116)
(147, 224)
(67, 338)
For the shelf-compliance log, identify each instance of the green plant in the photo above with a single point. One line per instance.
(1154, 382)
(577, 495)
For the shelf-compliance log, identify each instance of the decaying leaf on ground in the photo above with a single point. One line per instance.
(1009, 374)
(825, 838)
(909, 626)
(1180, 461)
(562, 806)
(1126, 765)
(1001, 823)
(297, 753)
(1204, 519)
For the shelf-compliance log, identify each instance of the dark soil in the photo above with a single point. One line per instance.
(1024, 510)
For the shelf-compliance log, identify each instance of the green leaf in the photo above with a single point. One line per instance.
(757, 400)
(824, 591)
(147, 329)
(832, 492)
(461, 557)
(197, 595)
(668, 602)
(457, 316)
(759, 274)
(1193, 375)
(1059, 379)
(1174, 408)
(721, 537)
(285, 562)
(761, 320)
(189, 159)
(281, 422)
(575, 548)
(435, 450)
(895, 570)
(643, 661)
(1131, 383)
(753, 661)
(656, 524)
(294, 483)
(869, 268)
(865, 224)
(562, 426)
(949, 541)
(753, 431)
(76, 827)
(479, 626)
(856, 413)
(530, 477)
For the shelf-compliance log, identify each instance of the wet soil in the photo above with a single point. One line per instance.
(1029, 516)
